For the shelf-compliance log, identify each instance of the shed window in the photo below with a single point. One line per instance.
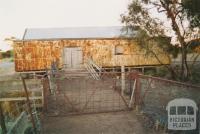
(119, 50)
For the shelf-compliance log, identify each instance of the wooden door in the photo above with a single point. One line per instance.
(73, 57)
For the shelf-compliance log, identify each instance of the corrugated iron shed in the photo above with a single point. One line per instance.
(40, 47)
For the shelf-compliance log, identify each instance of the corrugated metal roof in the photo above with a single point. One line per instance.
(75, 33)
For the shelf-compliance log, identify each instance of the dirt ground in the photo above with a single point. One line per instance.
(103, 123)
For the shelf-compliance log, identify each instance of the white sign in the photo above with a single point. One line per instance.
(182, 114)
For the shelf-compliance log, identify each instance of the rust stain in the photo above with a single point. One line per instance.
(38, 55)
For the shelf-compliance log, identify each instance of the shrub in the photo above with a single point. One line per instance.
(7, 54)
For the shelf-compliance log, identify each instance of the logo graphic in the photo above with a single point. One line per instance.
(182, 114)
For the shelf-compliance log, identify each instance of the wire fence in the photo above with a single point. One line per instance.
(13, 101)
(67, 93)
(155, 93)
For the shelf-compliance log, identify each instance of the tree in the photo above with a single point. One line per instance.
(192, 10)
(141, 14)
(149, 44)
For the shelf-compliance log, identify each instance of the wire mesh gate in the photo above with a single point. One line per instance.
(82, 94)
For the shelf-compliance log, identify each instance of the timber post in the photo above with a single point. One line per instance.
(135, 76)
(122, 80)
(45, 92)
(2, 120)
(29, 106)
(137, 93)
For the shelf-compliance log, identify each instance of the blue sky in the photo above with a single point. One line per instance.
(16, 15)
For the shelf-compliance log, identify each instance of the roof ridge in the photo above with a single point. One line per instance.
(75, 33)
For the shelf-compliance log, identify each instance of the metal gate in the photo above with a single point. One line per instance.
(80, 94)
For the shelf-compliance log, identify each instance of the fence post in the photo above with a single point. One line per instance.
(3, 125)
(138, 89)
(122, 80)
(45, 91)
(29, 105)
(135, 76)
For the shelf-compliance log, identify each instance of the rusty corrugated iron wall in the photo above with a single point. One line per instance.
(38, 55)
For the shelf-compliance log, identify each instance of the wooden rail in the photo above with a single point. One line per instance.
(20, 98)
(169, 81)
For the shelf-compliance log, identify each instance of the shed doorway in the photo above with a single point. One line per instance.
(72, 57)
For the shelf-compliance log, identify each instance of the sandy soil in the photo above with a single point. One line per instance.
(104, 123)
